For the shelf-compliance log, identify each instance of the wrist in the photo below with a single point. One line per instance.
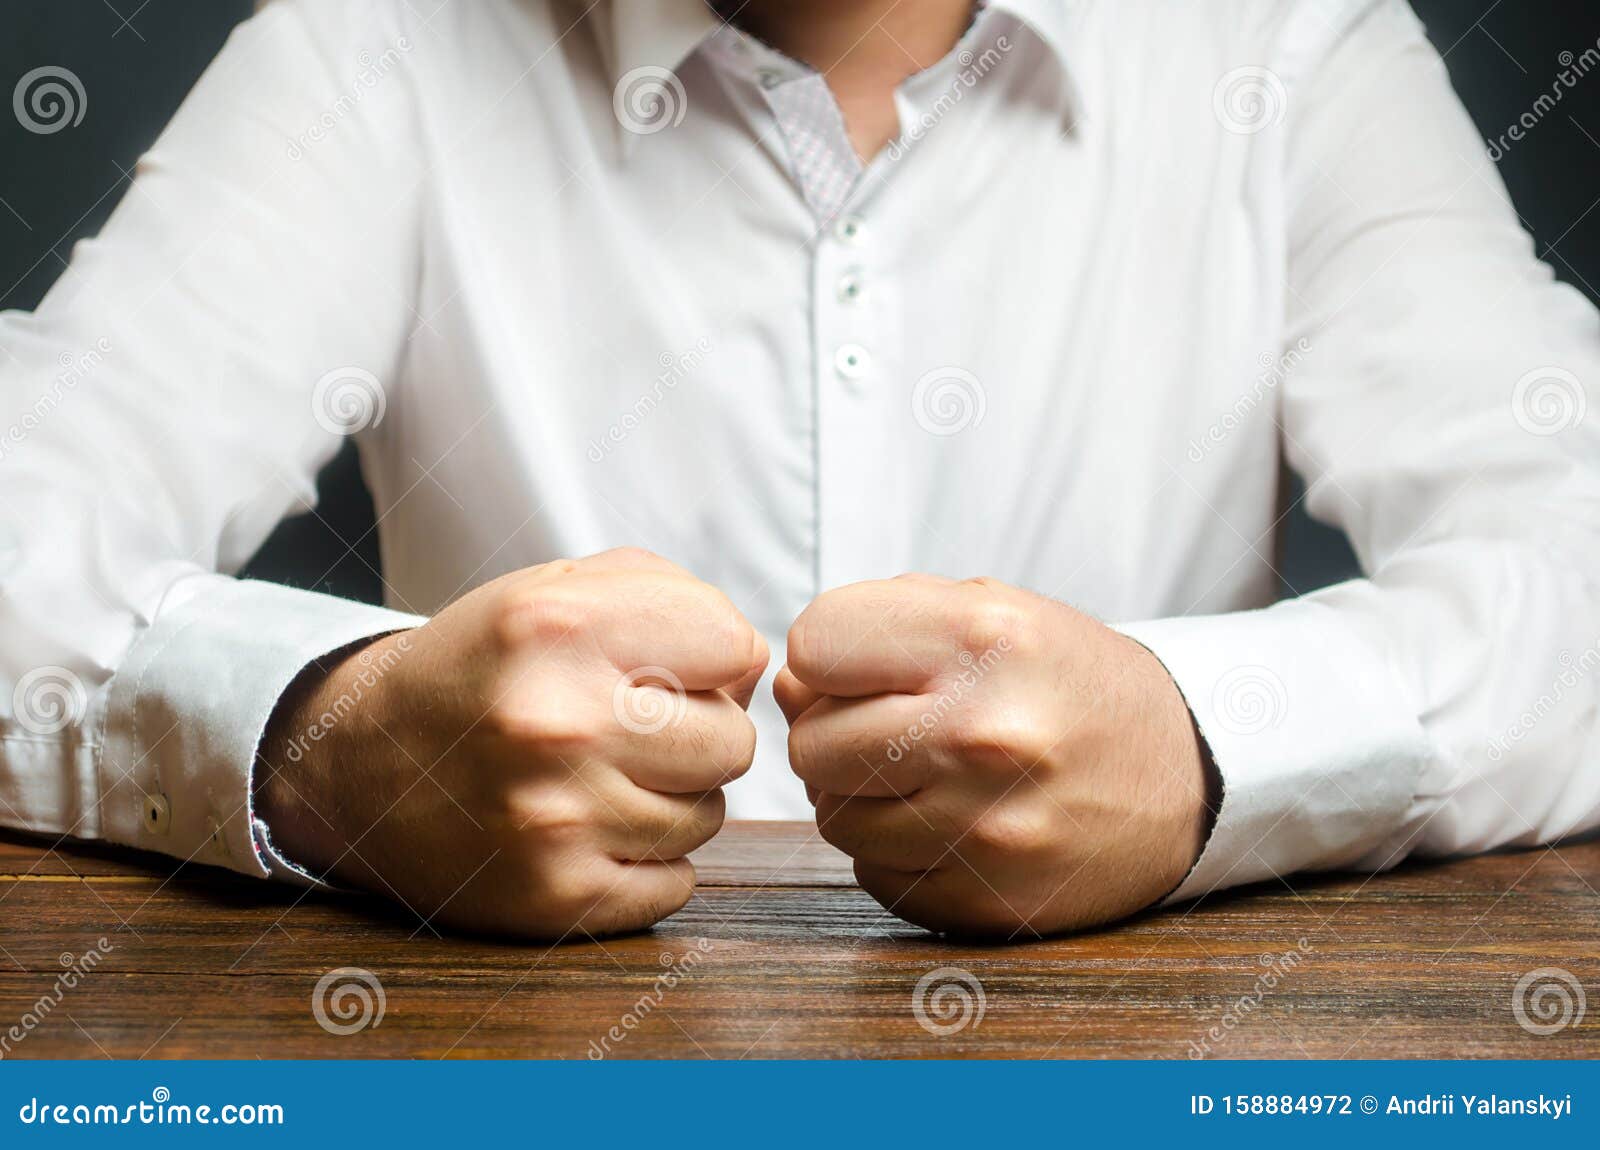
(1188, 773)
(311, 747)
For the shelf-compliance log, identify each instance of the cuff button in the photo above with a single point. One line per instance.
(157, 814)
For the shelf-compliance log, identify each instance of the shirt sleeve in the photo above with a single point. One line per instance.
(168, 402)
(1447, 702)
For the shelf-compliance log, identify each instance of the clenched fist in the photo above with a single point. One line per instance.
(995, 762)
(536, 760)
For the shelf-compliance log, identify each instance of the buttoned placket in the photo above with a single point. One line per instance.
(863, 408)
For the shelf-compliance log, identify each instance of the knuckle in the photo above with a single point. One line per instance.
(638, 556)
(1011, 829)
(564, 731)
(521, 619)
(554, 569)
(992, 623)
(996, 737)
(548, 815)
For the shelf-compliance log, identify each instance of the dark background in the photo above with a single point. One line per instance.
(137, 59)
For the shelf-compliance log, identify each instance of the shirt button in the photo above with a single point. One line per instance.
(768, 79)
(851, 361)
(851, 286)
(157, 814)
(849, 229)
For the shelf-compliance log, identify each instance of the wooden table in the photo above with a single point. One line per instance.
(780, 955)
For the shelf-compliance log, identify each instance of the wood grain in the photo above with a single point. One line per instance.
(780, 955)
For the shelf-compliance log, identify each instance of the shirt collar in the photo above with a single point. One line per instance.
(656, 33)
(1050, 20)
(656, 36)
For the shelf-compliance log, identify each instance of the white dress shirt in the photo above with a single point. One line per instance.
(578, 277)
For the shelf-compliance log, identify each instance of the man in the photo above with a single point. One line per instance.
(673, 335)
